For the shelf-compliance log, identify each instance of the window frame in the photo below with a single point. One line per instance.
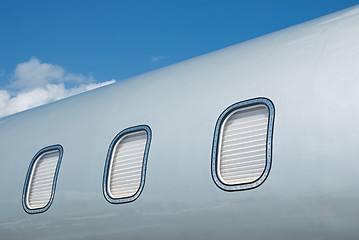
(29, 174)
(216, 144)
(108, 164)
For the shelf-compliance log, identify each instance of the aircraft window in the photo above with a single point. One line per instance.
(40, 183)
(125, 168)
(242, 145)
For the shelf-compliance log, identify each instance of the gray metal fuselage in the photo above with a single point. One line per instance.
(310, 72)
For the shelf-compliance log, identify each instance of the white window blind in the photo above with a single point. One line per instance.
(126, 165)
(242, 146)
(41, 179)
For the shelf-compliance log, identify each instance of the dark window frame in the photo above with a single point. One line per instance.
(144, 164)
(214, 161)
(29, 174)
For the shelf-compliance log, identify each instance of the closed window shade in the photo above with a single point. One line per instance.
(125, 170)
(41, 179)
(243, 145)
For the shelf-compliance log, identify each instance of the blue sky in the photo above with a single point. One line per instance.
(79, 44)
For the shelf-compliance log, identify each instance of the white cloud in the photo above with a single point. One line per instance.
(33, 74)
(157, 58)
(40, 83)
(36, 97)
